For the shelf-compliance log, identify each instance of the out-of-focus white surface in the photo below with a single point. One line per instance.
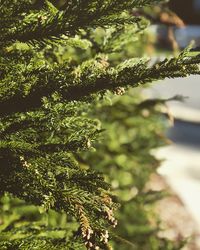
(189, 87)
(181, 160)
(181, 170)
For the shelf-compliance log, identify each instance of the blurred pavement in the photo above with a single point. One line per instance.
(181, 165)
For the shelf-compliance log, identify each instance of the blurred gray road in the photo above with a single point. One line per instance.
(188, 87)
(181, 167)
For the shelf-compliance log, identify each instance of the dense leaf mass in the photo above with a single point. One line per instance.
(59, 63)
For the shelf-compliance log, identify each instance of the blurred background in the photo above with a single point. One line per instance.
(181, 165)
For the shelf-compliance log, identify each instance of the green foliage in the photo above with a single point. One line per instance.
(124, 156)
(58, 60)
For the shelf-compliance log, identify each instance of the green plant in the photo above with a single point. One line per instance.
(58, 61)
